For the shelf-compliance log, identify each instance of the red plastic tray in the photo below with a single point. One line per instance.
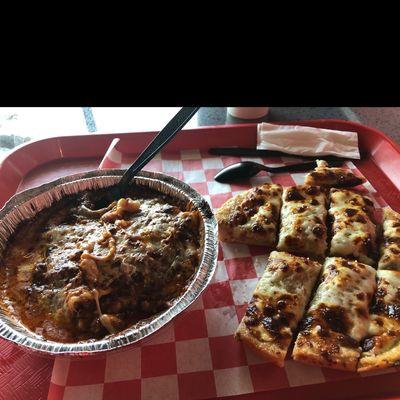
(44, 160)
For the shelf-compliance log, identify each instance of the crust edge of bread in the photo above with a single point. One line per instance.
(266, 351)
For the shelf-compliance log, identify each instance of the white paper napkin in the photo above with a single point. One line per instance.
(307, 141)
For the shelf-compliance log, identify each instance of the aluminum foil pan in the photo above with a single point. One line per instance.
(27, 204)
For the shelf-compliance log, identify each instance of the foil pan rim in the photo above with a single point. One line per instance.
(144, 330)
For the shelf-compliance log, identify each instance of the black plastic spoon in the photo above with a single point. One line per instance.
(247, 169)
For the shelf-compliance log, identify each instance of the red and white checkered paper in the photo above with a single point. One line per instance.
(196, 355)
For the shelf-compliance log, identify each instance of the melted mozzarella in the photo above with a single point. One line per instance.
(390, 247)
(252, 216)
(286, 286)
(350, 285)
(303, 229)
(286, 274)
(389, 283)
(271, 196)
(354, 234)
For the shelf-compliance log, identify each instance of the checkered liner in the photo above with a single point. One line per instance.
(196, 355)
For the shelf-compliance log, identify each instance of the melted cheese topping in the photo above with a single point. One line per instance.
(280, 297)
(390, 247)
(381, 347)
(323, 175)
(389, 286)
(353, 232)
(123, 206)
(338, 316)
(348, 285)
(252, 216)
(386, 302)
(303, 215)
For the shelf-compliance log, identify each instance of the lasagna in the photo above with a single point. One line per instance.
(353, 231)
(251, 217)
(390, 246)
(88, 267)
(277, 305)
(338, 316)
(303, 222)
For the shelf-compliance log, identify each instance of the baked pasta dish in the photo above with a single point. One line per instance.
(88, 267)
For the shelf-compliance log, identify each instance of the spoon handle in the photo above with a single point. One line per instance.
(253, 152)
(291, 167)
(164, 136)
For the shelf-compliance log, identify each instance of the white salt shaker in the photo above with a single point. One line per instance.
(248, 112)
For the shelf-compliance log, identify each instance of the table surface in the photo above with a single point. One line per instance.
(18, 125)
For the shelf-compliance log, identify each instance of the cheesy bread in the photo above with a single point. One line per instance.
(353, 231)
(323, 175)
(251, 217)
(303, 222)
(381, 347)
(338, 316)
(278, 304)
(390, 246)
